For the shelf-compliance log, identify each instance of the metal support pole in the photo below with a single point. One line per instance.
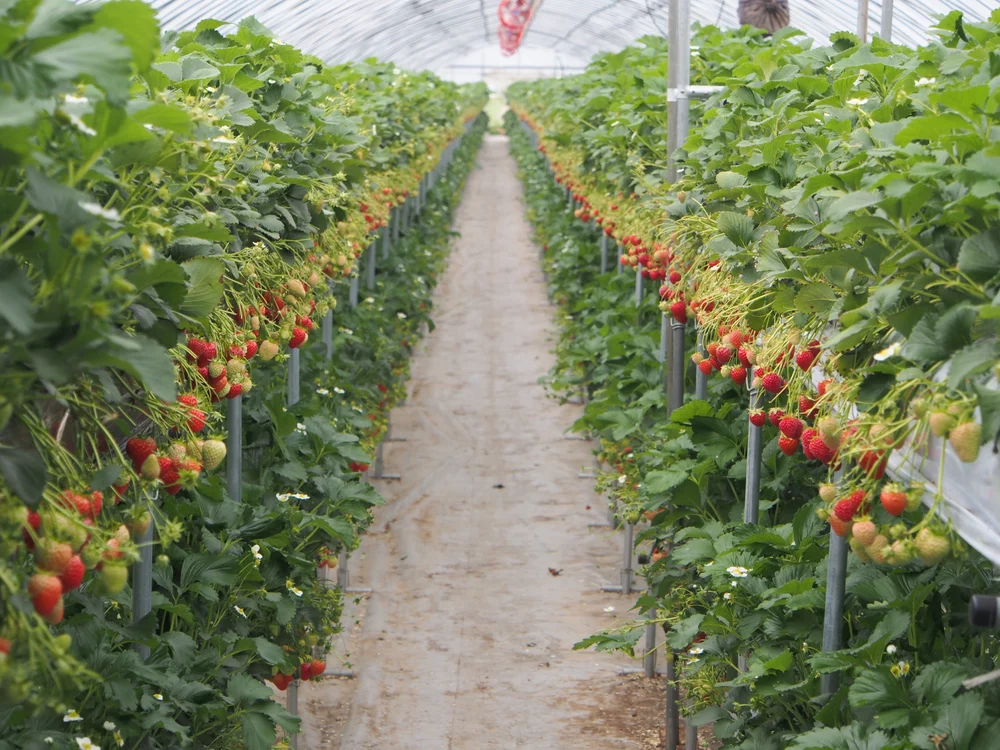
(700, 379)
(627, 558)
(344, 577)
(142, 584)
(638, 286)
(293, 378)
(385, 242)
(352, 297)
(673, 68)
(886, 30)
(673, 717)
(394, 213)
(675, 389)
(664, 340)
(234, 448)
(618, 261)
(833, 613)
(690, 732)
(649, 658)
(370, 270)
(379, 467)
(755, 448)
(293, 708)
(863, 20)
(604, 252)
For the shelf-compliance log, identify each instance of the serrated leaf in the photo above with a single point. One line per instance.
(25, 473)
(270, 652)
(730, 180)
(979, 256)
(815, 298)
(738, 228)
(973, 359)
(204, 286)
(146, 360)
(850, 204)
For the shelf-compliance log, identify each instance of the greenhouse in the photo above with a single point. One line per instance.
(455, 375)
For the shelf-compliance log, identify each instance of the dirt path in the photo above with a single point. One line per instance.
(466, 643)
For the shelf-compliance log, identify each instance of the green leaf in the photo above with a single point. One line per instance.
(989, 406)
(683, 633)
(99, 56)
(930, 127)
(730, 180)
(738, 228)
(269, 652)
(106, 477)
(258, 731)
(16, 297)
(136, 22)
(244, 689)
(815, 298)
(658, 482)
(195, 68)
(851, 203)
(939, 681)
(979, 256)
(25, 473)
(143, 358)
(204, 286)
(166, 116)
(973, 359)
(211, 569)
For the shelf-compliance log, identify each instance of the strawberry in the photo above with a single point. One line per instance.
(140, 524)
(746, 356)
(829, 430)
(139, 449)
(791, 426)
(734, 339)
(318, 667)
(34, 522)
(806, 439)
(705, 366)
(788, 445)
(299, 337)
(251, 347)
(52, 556)
(79, 502)
(120, 489)
(840, 528)
(865, 532)
(150, 468)
(96, 503)
(4, 646)
(197, 348)
(714, 361)
(807, 406)
(873, 463)
(674, 277)
(821, 451)
(773, 382)
(828, 492)
(305, 670)
(72, 575)
(805, 359)
(739, 375)
(932, 547)
(876, 550)
(235, 368)
(965, 440)
(169, 475)
(775, 415)
(236, 352)
(188, 399)
(196, 420)
(113, 578)
(212, 453)
(941, 423)
(216, 370)
(823, 386)
(859, 549)
(893, 499)
(723, 354)
(177, 451)
(46, 593)
(847, 508)
(235, 389)
(678, 310)
(757, 417)
(281, 681)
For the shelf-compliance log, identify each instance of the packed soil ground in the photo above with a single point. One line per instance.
(483, 568)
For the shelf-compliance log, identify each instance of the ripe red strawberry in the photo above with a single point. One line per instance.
(893, 499)
(840, 528)
(196, 420)
(237, 352)
(305, 670)
(139, 449)
(188, 399)
(821, 451)
(807, 437)
(210, 353)
(807, 406)
(805, 360)
(34, 523)
(873, 463)
(45, 592)
(281, 681)
(120, 489)
(197, 347)
(847, 508)
(757, 417)
(53, 556)
(823, 386)
(251, 348)
(788, 445)
(4, 646)
(734, 339)
(775, 415)
(318, 667)
(383, 388)
(746, 356)
(299, 337)
(169, 475)
(678, 310)
(791, 426)
(714, 361)
(674, 277)
(72, 575)
(80, 502)
(96, 503)
(705, 366)
(235, 389)
(723, 354)
(773, 382)
(739, 375)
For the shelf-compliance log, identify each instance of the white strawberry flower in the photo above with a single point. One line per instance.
(401, 315)
(84, 743)
(158, 696)
(926, 81)
(322, 391)
(241, 612)
(339, 391)
(727, 596)
(110, 726)
(697, 650)
(737, 571)
(71, 715)
(890, 649)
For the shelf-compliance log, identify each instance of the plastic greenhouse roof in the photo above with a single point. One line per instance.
(432, 33)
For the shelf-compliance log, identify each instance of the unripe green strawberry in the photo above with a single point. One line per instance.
(931, 547)
(235, 368)
(914, 496)
(830, 431)
(865, 532)
(212, 453)
(859, 549)
(215, 369)
(919, 407)
(268, 351)
(91, 555)
(941, 423)
(150, 468)
(900, 552)
(965, 440)
(828, 492)
(113, 578)
(177, 451)
(296, 287)
(876, 550)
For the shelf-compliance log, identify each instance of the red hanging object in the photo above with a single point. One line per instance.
(514, 16)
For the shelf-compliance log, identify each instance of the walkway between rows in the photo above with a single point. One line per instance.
(483, 567)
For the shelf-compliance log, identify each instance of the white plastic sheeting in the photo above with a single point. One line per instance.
(432, 33)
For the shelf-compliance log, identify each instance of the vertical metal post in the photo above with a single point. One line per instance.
(886, 30)
(700, 379)
(370, 269)
(604, 252)
(690, 733)
(673, 717)
(755, 448)
(664, 340)
(675, 389)
(833, 614)
(385, 242)
(628, 546)
(638, 286)
(293, 378)
(863, 20)
(352, 296)
(142, 584)
(234, 448)
(395, 217)
(618, 260)
(293, 708)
